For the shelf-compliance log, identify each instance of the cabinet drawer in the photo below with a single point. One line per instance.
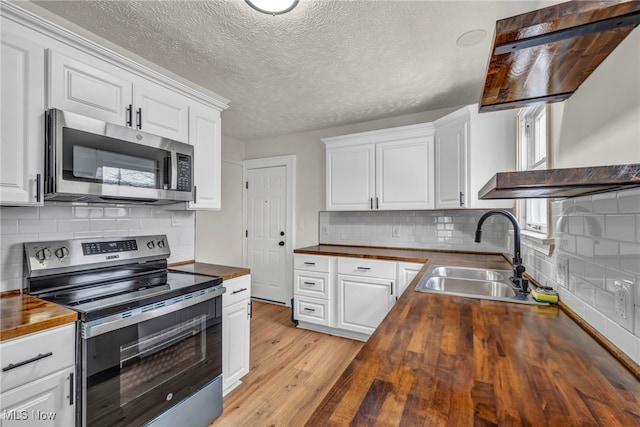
(44, 353)
(312, 310)
(311, 263)
(311, 284)
(238, 289)
(367, 268)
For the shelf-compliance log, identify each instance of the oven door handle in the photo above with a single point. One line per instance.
(115, 322)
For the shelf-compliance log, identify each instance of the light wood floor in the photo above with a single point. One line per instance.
(291, 371)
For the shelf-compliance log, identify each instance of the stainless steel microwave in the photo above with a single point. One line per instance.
(88, 160)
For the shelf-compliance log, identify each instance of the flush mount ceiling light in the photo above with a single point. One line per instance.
(471, 38)
(272, 7)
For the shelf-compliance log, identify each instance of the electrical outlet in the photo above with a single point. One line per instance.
(395, 231)
(300, 225)
(621, 298)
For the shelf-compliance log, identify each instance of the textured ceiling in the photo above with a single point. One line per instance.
(325, 64)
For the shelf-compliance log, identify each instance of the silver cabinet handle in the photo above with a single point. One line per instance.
(309, 283)
(309, 309)
(250, 310)
(238, 291)
(309, 263)
(370, 202)
(377, 204)
(38, 187)
(11, 366)
(461, 198)
(364, 268)
(130, 115)
(139, 118)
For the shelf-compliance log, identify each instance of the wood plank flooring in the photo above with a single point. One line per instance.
(291, 371)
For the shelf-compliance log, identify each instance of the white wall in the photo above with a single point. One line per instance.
(310, 166)
(600, 123)
(219, 234)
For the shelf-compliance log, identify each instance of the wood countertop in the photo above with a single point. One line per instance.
(392, 254)
(23, 314)
(447, 360)
(225, 271)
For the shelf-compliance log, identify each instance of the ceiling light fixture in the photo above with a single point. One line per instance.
(471, 38)
(272, 7)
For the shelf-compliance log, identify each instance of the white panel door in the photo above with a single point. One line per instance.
(363, 302)
(48, 401)
(205, 136)
(451, 165)
(266, 211)
(21, 123)
(161, 111)
(351, 177)
(405, 174)
(93, 89)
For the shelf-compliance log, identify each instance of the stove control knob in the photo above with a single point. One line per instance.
(151, 245)
(160, 243)
(62, 252)
(43, 254)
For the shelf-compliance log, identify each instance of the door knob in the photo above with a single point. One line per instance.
(282, 233)
(281, 243)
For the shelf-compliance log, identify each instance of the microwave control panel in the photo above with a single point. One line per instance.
(184, 172)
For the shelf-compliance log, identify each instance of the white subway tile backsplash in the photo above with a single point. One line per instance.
(605, 203)
(37, 225)
(584, 246)
(629, 201)
(61, 221)
(620, 227)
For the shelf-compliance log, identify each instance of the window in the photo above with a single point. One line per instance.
(532, 155)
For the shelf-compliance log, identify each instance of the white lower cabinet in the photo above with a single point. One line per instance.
(345, 296)
(407, 271)
(38, 379)
(363, 302)
(236, 340)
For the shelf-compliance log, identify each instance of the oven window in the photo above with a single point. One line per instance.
(158, 357)
(94, 158)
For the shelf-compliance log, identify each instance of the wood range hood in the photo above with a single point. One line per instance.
(544, 56)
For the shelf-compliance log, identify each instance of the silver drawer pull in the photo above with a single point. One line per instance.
(238, 291)
(309, 283)
(364, 268)
(25, 362)
(309, 263)
(309, 309)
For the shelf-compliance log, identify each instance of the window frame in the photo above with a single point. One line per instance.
(525, 150)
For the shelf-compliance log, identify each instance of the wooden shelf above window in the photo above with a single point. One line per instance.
(546, 54)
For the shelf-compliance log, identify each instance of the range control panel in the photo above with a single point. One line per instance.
(82, 253)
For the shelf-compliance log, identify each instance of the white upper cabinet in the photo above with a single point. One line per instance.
(89, 86)
(21, 122)
(469, 149)
(205, 132)
(387, 169)
(350, 177)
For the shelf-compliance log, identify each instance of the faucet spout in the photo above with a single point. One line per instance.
(518, 268)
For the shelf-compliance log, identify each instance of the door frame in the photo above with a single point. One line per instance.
(289, 162)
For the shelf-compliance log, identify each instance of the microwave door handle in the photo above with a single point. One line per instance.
(174, 170)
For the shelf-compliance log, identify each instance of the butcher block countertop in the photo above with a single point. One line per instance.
(454, 361)
(391, 254)
(224, 271)
(23, 314)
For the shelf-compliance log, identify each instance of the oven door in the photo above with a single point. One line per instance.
(134, 373)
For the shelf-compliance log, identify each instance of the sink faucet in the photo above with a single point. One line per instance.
(517, 279)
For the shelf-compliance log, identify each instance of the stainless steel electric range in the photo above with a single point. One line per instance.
(149, 347)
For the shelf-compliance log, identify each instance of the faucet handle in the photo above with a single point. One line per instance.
(519, 269)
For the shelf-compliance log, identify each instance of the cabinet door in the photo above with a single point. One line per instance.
(363, 302)
(350, 177)
(21, 123)
(405, 174)
(89, 87)
(205, 136)
(48, 402)
(407, 271)
(235, 343)
(451, 164)
(160, 111)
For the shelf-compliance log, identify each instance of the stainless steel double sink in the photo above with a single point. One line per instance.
(473, 282)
